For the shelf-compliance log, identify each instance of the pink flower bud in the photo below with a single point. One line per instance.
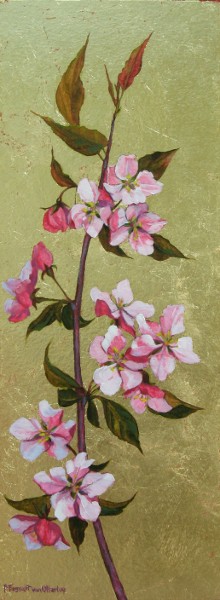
(41, 257)
(56, 220)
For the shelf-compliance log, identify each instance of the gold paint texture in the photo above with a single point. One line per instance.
(166, 544)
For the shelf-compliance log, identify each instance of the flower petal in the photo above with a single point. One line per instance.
(31, 449)
(159, 405)
(133, 196)
(53, 483)
(148, 184)
(79, 466)
(117, 219)
(183, 351)
(95, 484)
(108, 379)
(51, 416)
(130, 379)
(141, 242)
(96, 350)
(138, 404)
(162, 364)
(112, 333)
(94, 226)
(151, 222)
(88, 190)
(25, 429)
(63, 505)
(119, 236)
(172, 319)
(88, 510)
(137, 307)
(126, 166)
(20, 523)
(123, 292)
(77, 216)
(143, 345)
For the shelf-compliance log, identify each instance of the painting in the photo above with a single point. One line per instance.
(110, 379)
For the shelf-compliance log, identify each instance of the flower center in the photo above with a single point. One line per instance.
(140, 397)
(130, 183)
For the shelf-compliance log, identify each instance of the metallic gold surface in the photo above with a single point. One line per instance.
(166, 545)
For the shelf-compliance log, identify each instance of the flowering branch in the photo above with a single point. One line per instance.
(131, 350)
(76, 308)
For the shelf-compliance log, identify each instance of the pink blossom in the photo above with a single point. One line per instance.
(56, 219)
(124, 182)
(121, 369)
(21, 289)
(157, 341)
(51, 436)
(148, 395)
(135, 225)
(42, 258)
(95, 210)
(74, 492)
(38, 532)
(119, 305)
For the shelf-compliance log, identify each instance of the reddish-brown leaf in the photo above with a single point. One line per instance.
(70, 92)
(132, 66)
(59, 176)
(157, 162)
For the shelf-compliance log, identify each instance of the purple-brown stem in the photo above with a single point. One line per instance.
(76, 310)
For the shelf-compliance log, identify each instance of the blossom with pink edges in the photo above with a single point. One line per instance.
(136, 225)
(157, 341)
(124, 182)
(95, 210)
(21, 289)
(119, 305)
(42, 258)
(38, 532)
(121, 369)
(51, 436)
(148, 395)
(56, 218)
(74, 492)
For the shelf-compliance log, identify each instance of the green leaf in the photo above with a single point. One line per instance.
(67, 397)
(179, 410)
(59, 176)
(163, 249)
(157, 162)
(36, 506)
(81, 139)
(110, 509)
(55, 376)
(67, 318)
(92, 413)
(70, 92)
(104, 239)
(99, 467)
(46, 318)
(77, 529)
(120, 422)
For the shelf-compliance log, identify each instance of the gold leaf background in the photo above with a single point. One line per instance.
(166, 545)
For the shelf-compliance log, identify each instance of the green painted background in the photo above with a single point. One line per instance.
(166, 545)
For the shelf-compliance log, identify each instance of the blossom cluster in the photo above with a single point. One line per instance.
(23, 287)
(73, 492)
(154, 344)
(131, 221)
